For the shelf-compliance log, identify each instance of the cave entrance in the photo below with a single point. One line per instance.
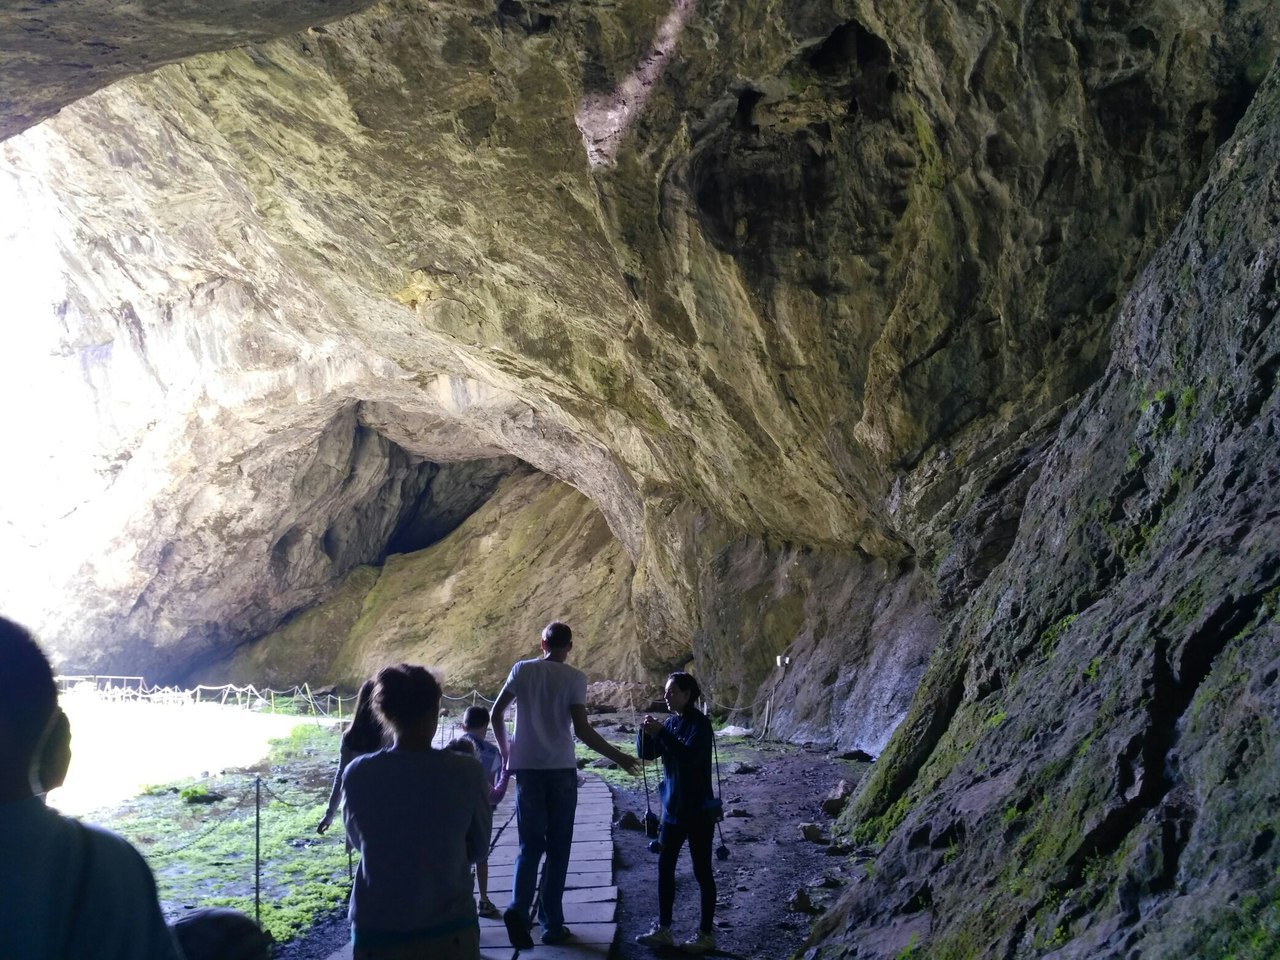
(456, 565)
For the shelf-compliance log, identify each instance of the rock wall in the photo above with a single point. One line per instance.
(814, 301)
(470, 603)
(815, 277)
(1089, 769)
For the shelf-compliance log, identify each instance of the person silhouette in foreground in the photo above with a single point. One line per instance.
(688, 809)
(420, 818)
(364, 734)
(550, 698)
(67, 889)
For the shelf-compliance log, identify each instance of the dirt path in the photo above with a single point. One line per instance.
(769, 791)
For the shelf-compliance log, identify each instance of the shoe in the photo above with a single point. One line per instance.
(486, 909)
(659, 936)
(518, 930)
(705, 941)
(553, 937)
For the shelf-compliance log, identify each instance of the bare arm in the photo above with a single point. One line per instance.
(588, 735)
(335, 794)
(498, 721)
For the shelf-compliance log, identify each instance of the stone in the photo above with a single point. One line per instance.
(834, 802)
(629, 821)
(813, 832)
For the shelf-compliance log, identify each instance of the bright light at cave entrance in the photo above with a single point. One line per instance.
(49, 418)
(118, 748)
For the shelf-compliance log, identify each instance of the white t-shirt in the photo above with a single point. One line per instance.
(544, 691)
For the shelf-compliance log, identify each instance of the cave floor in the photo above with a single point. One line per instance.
(769, 790)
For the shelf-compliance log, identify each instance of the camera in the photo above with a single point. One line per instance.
(714, 809)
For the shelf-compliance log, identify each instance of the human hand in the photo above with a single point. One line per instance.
(629, 763)
(651, 725)
(324, 823)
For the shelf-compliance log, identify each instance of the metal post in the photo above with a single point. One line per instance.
(257, 853)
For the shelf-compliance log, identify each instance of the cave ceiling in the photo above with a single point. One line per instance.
(812, 279)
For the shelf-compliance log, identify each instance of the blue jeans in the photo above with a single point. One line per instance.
(546, 801)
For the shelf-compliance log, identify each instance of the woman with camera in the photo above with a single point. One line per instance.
(690, 809)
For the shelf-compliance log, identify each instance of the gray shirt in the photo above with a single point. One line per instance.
(420, 819)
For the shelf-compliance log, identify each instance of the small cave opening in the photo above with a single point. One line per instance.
(394, 556)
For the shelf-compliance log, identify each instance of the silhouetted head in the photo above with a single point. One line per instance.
(557, 636)
(476, 718)
(462, 745)
(35, 737)
(364, 735)
(405, 695)
(682, 691)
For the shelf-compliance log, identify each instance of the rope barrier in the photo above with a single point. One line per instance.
(289, 803)
(213, 828)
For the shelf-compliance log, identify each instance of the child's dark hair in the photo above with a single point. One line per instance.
(404, 694)
(687, 683)
(462, 745)
(364, 735)
(476, 716)
(557, 635)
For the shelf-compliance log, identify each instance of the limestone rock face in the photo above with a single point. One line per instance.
(816, 302)
(1090, 765)
(469, 604)
(808, 275)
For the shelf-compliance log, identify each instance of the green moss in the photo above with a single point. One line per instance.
(1049, 638)
(877, 829)
(205, 856)
(930, 154)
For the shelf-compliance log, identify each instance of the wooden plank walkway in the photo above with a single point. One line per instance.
(590, 897)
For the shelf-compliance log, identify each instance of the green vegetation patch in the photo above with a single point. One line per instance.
(203, 854)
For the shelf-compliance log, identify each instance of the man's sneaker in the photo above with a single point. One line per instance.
(518, 929)
(486, 909)
(553, 937)
(659, 936)
(704, 942)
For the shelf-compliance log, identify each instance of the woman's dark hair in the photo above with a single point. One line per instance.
(365, 733)
(404, 694)
(687, 683)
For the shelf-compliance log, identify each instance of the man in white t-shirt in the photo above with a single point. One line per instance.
(551, 699)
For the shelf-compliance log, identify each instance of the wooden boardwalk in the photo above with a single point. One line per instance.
(590, 897)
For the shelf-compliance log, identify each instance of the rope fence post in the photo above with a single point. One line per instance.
(257, 851)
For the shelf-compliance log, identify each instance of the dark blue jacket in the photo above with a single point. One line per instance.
(684, 744)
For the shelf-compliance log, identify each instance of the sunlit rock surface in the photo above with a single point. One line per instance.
(816, 303)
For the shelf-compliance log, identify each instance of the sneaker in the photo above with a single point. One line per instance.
(554, 937)
(486, 909)
(518, 930)
(659, 936)
(705, 941)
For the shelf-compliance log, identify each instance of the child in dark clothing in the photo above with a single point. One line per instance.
(684, 744)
